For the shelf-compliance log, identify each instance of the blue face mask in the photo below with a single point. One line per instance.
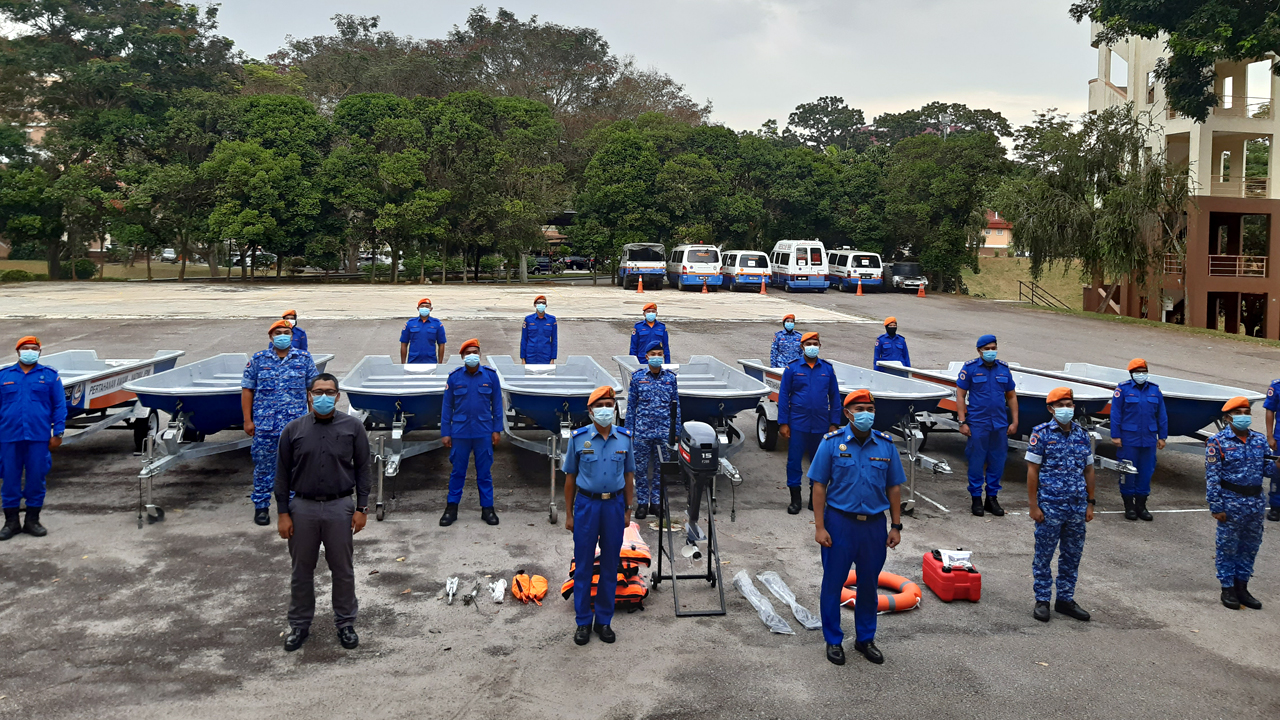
(603, 416)
(282, 342)
(988, 356)
(471, 360)
(811, 351)
(789, 326)
(655, 361)
(650, 317)
(1140, 378)
(323, 404)
(862, 421)
(1064, 415)
(1241, 422)
(540, 307)
(28, 357)
(424, 312)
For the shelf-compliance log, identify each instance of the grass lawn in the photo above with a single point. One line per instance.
(999, 280)
(115, 270)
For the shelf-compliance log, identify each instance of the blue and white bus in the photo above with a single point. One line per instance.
(799, 265)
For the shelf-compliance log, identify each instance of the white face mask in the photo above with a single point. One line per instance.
(292, 322)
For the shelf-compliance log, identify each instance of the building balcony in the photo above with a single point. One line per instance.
(1173, 264)
(1243, 107)
(1237, 266)
(1238, 187)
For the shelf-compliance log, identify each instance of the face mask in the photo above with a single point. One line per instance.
(811, 351)
(862, 421)
(282, 342)
(989, 356)
(650, 317)
(603, 416)
(28, 357)
(471, 360)
(655, 361)
(789, 326)
(292, 323)
(892, 331)
(1140, 378)
(1241, 422)
(324, 404)
(1064, 414)
(540, 307)
(424, 312)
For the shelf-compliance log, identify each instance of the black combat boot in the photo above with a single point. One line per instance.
(992, 505)
(1140, 504)
(450, 514)
(1130, 508)
(32, 526)
(1245, 597)
(810, 506)
(12, 526)
(976, 507)
(794, 507)
(489, 516)
(1230, 600)
(641, 512)
(1274, 514)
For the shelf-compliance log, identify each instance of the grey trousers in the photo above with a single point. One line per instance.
(328, 523)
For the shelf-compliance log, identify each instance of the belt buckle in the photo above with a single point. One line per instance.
(861, 517)
(606, 496)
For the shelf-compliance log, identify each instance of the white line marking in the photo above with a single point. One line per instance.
(935, 504)
(1121, 512)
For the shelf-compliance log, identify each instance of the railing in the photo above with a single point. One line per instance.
(1237, 266)
(1031, 292)
(1259, 108)
(1173, 264)
(1240, 187)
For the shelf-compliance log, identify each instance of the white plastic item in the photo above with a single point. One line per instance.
(498, 589)
(773, 581)
(765, 609)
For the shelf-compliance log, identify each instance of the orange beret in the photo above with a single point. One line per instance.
(1136, 363)
(787, 317)
(26, 341)
(890, 319)
(287, 313)
(424, 300)
(651, 306)
(1235, 402)
(604, 391)
(279, 324)
(808, 336)
(543, 298)
(1059, 393)
(859, 395)
(469, 343)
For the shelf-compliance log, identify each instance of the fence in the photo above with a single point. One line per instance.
(1031, 292)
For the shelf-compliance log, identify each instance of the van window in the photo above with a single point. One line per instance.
(815, 256)
(842, 260)
(867, 261)
(644, 254)
(800, 258)
(729, 259)
(702, 255)
(677, 256)
(752, 261)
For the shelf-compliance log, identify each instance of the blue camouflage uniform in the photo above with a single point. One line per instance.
(279, 396)
(423, 337)
(857, 476)
(1138, 415)
(33, 408)
(472, 412)
(808, 402)
(539, 339)
(890, 347)
(1063, 497)
(1233, 472)
(643, 334)
(649, 401)
(600, 465)
(785, 349)
(988, 418)
(1272, 403)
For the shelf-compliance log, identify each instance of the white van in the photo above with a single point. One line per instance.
(693, 265)
(641, 262)
(847, 267)
(799, 265)
(744, 268)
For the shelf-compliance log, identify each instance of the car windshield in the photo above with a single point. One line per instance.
(644, 254)
(701, 255)
(908, 269)
(753, 261)
(866, 261)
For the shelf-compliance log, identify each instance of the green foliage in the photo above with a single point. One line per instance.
(16, 276)
(82, 269)
(826, 123)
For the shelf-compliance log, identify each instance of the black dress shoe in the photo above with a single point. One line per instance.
(582, 635)
(1070, 609)
(835, 654)
(1274, 514)
(870, 652)
(1140, 506)
(1245, 597)
(348, 637)
(1041, 612)
(992, 505)
(794, 507)
(605, 632)
(295, 638)
(489, 516)
(641, 512)
(450, 514)
(262, 516)
(1229, 599)
(976, 506)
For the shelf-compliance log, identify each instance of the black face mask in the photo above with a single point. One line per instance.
(892, 331)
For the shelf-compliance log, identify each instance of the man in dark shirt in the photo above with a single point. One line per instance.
(323, 461)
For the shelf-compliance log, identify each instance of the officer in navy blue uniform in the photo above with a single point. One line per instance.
(299, 335)
(539, 339)
(1139, 427)
(599, 472)
(422, 340)
(808, 407)
(785, 348)
(1272, 404)
(890, 346)
(471, 424)
(984, 390)
(1235, 463)
(647, 331)
(33, 417)
(856, 475)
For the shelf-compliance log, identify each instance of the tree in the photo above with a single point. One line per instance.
(942, 119)
(618, 194)
(1200, 34)
(827, 121)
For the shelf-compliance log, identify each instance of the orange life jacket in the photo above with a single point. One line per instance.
(527, 588)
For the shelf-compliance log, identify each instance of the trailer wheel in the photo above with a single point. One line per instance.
(553, 515)
(381, 512)
(766, 432)
(190, 435)
(144, 427)
(158, 517)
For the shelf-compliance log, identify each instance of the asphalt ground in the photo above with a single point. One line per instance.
(185, 618)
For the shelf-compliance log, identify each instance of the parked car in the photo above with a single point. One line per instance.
(264, 260)
(908, 275)
(694, 266)
(641, 262)
(543, 265)
(847, 268)
(799, 265)
(745, 268)
(576, 262)
(169, 255)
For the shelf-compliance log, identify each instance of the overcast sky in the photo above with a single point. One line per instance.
(758, 59)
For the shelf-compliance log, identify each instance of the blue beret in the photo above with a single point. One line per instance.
(653, 345)
(986, 340)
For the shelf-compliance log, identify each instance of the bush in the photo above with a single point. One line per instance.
(295, 264)
(84, 268)
(17, 276)
(490, 263)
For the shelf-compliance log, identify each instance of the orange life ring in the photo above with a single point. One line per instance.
(907, 593)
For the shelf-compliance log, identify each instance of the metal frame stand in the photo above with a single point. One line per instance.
(909, 429)
(386, 463)
(165, 449)
(553, 447)
(666, 544)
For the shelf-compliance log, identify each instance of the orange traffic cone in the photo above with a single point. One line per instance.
(640, 284)
(762, 290)
(859, 286)
(704, 287)
(920, 292)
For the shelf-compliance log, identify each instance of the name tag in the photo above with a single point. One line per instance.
(846, 455)
(588, 452)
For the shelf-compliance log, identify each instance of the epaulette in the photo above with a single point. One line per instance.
(1001, 362)
(883, 435)
(831, 434)
(581, 430)
(973, 361)
(623, 431)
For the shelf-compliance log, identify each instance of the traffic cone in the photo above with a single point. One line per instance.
(859, 286)
(704, 287)
(640, 285)
(762, 291)
(920, 292)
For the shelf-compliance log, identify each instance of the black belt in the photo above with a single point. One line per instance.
(859, 517)
(600, 496)
(1245, 490)
(325, 498)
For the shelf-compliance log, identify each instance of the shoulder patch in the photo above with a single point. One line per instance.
(623, 431)
(831, 434)
(1117, 393)
(962, 375)
(581, 430)
(884, 435)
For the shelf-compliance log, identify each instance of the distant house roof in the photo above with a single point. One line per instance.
(994, 221)
(553, 235)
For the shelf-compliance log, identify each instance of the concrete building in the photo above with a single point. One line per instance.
(1225, 278)
(997, 236)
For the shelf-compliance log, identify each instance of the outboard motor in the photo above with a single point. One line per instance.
(700, 461)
